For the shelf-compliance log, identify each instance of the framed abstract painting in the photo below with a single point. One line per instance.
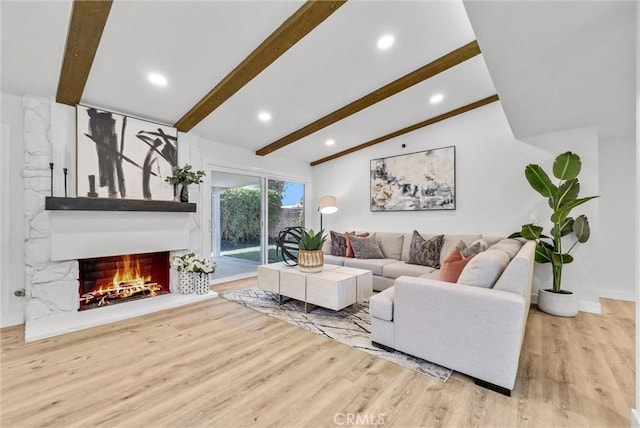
(123, 157)
(414, 182)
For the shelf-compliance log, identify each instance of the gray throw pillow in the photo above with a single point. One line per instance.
(366, 247)
(476, 247)
(338, 244)
(425, 252)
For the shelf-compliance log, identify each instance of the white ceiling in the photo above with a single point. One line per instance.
(561, 65)
(556, 66)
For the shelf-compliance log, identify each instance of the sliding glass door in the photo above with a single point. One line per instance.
(247, 213)
(286, 209)
(237, 209)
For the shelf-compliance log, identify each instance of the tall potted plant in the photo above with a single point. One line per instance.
(310, 255)
(562, 198)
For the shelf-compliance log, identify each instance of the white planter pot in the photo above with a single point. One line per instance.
(558, 304)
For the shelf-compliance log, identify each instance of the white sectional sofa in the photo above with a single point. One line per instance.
(475, 330)
(395, 247)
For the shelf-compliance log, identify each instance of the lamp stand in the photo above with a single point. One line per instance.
(320, 221)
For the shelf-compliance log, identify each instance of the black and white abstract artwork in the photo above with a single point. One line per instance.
(121, 157)
(414, 182)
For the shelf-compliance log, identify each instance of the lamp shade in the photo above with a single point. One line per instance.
(328, 205)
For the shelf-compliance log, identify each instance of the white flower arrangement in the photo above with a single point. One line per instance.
(191, 262)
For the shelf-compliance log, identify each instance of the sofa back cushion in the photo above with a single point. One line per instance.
(508, 245)
(484, 269)
(517, 277)
(390, 244)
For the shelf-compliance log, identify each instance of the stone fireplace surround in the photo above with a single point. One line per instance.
(55, 240)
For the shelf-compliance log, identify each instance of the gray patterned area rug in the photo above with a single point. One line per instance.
(350, 326)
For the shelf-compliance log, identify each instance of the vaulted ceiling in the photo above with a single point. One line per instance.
(315, 67)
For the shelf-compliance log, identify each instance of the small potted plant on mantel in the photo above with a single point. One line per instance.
(310, 255)
(562, 198)
(183, 177)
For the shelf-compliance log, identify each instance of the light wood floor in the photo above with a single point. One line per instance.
(217, 363)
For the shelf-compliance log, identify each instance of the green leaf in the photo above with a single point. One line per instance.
(581, 229)
(566, 193)
(531, 231)
(515, 235)
(562, 213)
(567, 166)
(565, 226)
(540, 181)
(558, 259)
(543, 254)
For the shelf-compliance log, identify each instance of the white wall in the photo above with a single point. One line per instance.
(618, 217)
(12, 306)
(492, 195)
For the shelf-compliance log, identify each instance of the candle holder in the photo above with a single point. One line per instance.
(51, 168)
(64, 171)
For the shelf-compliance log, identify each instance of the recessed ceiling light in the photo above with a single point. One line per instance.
(330, 142)
(157, 79)
(436, 98)
(264, 116)
(385, 42)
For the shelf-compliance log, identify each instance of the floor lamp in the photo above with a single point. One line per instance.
(328, 205)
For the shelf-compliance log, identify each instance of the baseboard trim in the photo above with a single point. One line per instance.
(584, 305)
(12, 320)
(635, 418)
(627, 296)
(591, 307)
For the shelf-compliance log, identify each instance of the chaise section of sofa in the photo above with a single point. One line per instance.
(475, 330)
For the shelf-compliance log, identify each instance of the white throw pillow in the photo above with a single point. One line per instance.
(484, 269)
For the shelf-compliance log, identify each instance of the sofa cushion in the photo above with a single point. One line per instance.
(366, 247)
(515, 277)
(484, 269)
(334, 260)
(425, 252)
(348, 235)
(338, 244)
(453, 265)
(394, 270)
(381, 305)
(451, 241)
(431, 275)
(509, 246)
(374, 265)
(390, 244)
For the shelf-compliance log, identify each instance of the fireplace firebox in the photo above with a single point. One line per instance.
(115, 279)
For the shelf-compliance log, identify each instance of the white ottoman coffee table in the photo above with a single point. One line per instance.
(335, 287)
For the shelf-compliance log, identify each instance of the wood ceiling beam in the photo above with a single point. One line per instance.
(411, 128)
(298, 25)
(441, 64)
(88, 19)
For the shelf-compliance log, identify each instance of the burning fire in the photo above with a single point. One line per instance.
(124, 284)
(130, 275)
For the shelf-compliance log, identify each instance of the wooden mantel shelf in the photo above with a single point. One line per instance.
(104, 204)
